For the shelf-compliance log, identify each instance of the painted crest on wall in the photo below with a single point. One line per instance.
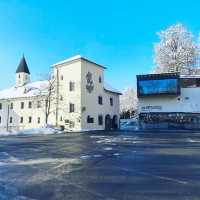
(89, 84)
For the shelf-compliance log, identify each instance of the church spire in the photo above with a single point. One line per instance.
(22, 73)
(23, 67)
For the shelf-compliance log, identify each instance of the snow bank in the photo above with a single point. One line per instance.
(46, 130)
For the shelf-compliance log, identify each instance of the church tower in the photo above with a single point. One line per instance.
(22, 73)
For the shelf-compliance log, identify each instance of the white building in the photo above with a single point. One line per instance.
(169, 100)
(76, 97)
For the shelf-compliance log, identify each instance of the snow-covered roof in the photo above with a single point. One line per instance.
(190, 76)
(74, 58)
(29, 90)
(109, 88)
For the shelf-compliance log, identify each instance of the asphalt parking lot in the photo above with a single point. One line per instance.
(101, 165)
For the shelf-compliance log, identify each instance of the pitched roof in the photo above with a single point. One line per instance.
(29, 90)
(23, 67)
(109, 88)
(75, 58)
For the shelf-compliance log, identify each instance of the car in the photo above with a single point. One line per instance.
(130, 125)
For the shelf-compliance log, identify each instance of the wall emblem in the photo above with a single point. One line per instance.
(89, 84)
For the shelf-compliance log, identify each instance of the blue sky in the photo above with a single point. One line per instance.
(117, 34)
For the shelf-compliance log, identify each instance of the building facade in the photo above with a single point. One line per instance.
(169, 100)
(75, 97)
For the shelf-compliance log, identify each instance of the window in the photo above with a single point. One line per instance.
(111, 101)
(21, 120)
(29, 120)
(190, 82)
(38, 120)
(71, 124)
(22, 105)
(38, 104)
(100, 120)
(100, 79)
(71, 107)
(11, 106)
(61, 119)
(29, 104)
(46, 103)
(0, 106)
(71, 86)
(90, 119)
(61, 77)
(0, 119)
(61, 98)
(100, 100)
(149, 87)
(11, 120)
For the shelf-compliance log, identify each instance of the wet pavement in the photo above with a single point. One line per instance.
(98, 166)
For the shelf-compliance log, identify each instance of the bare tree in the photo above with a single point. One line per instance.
(47, 98)
(50, 98)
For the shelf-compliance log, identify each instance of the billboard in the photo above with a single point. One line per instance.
(158, 85)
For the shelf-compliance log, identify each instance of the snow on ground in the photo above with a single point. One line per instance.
(46, 130)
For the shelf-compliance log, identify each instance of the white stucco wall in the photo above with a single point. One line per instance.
(90, 100)
(189, 102)
(16, 113)
(70, 72)
(65, 72)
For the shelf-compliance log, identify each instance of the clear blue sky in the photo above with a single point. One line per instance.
(117, 34)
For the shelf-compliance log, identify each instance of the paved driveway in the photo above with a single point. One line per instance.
(98, 166)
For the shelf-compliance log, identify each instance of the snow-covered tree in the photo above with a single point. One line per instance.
(176, 51)
(128, 101)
